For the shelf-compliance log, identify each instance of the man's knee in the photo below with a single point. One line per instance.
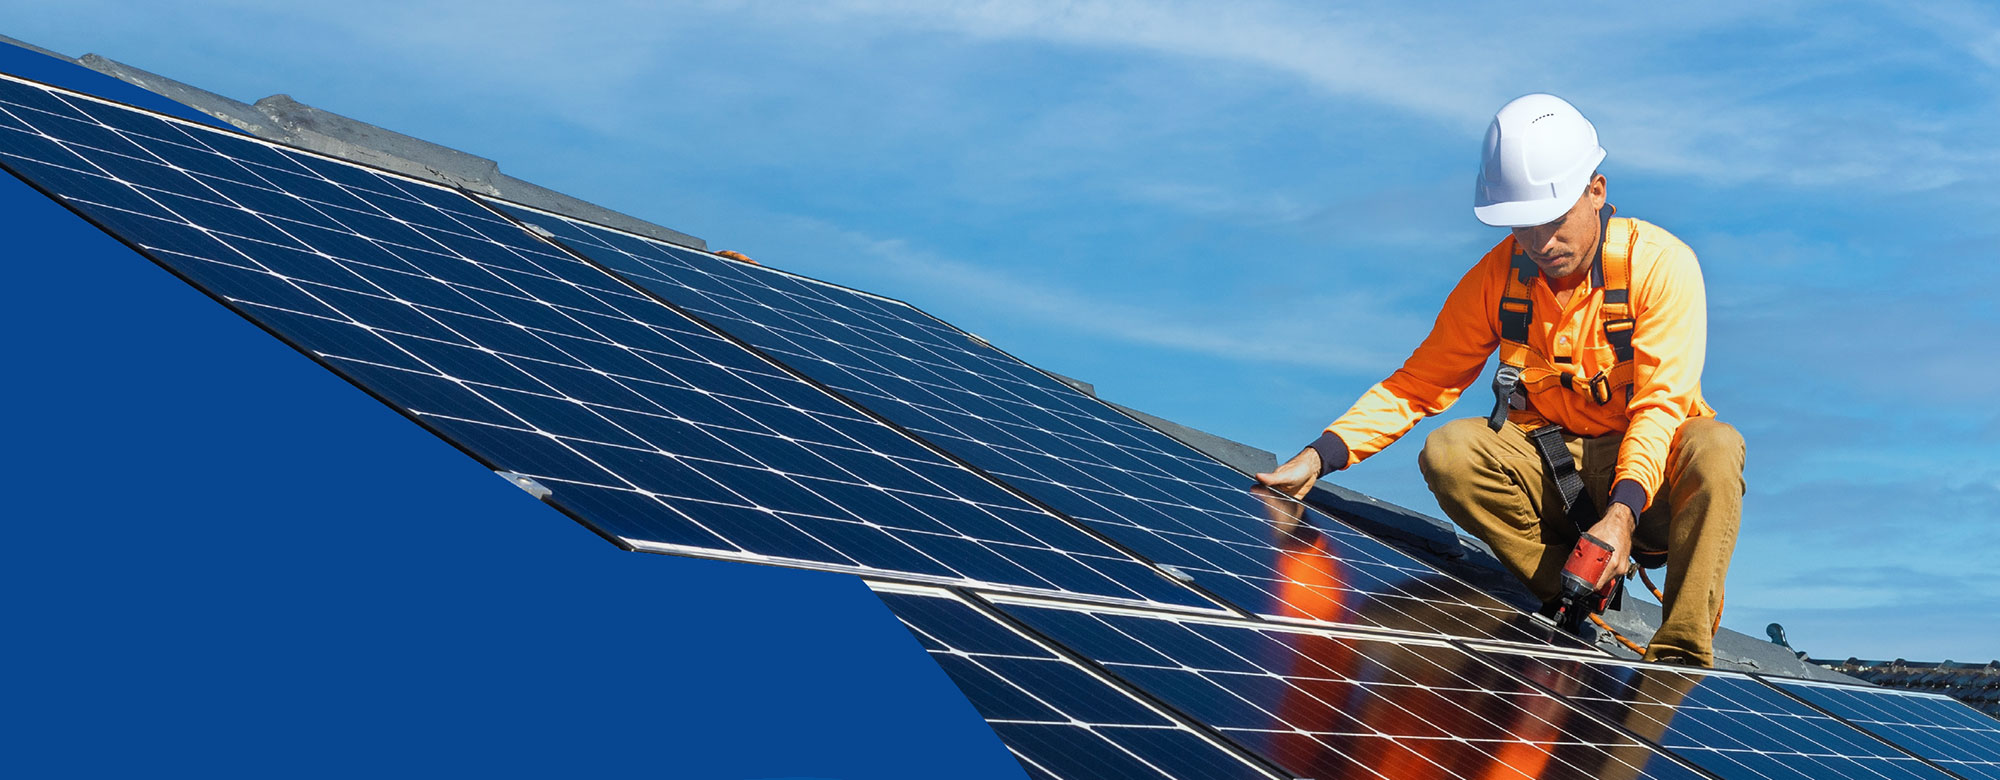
(1710, 448)
(1453, 451)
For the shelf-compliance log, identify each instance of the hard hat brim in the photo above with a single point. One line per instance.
(1540, 211)
(1523, 213)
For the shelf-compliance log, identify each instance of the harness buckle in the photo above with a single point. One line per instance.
(1618, 333)
(1600, 388)
(1516, 314)
(1506, 381)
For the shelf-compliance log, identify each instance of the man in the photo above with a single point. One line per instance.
(1606, 321)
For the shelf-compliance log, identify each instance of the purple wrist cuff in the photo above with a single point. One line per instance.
(1332, 452)
(1630, 493)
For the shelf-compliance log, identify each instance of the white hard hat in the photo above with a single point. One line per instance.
(1539, 156)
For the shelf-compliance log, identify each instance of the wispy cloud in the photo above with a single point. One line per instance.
(1970, 28)
(1231, 204)
(1218, 331)
(1874, 585)
(1735, 123)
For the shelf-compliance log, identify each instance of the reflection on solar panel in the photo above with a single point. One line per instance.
(1060, 719)
(1321, 704)
(647, 426)
(1933, 726)
(1159, 497)
(1729, 724)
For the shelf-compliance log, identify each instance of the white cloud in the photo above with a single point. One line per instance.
(1221, 329)
(1971, 28)
(1775, 120)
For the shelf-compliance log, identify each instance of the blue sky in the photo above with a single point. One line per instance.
(1239, 215)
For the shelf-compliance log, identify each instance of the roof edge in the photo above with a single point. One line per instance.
(282, 119)
(11, 41)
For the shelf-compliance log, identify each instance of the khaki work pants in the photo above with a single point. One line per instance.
(1495, 487)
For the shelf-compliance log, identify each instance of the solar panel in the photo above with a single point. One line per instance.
(1729, 724)
(1166, 501)
(1061, 719)
(645, 425)
(1323, 703)
(1933, 726)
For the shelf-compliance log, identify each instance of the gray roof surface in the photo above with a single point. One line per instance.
(280, 118)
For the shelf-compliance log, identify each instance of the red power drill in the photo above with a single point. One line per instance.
(1579, 600)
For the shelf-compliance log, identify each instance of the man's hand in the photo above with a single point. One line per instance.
(1296, 476)
(1615, 529)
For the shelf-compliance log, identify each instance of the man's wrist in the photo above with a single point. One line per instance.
(1619, 515)
(1630, 494)
(1332, 452)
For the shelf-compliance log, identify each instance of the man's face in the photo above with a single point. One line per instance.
(1563, 248)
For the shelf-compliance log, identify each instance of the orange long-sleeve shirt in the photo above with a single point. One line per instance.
(1669, 343)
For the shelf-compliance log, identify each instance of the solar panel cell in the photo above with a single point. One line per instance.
(644, 424)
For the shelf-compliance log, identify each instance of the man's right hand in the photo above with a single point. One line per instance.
(1296, 476)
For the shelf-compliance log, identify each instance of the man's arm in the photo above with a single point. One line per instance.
(1669, 346)
(1429, 382)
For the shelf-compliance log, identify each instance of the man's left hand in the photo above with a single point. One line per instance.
(1615, 529)
(1296, 477)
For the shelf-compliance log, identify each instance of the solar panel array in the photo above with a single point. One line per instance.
(644, 424)
(1933, 726)
(678, 402)
(1148, 491)
(1729, 724)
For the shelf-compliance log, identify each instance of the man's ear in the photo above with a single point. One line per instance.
(1599, 190)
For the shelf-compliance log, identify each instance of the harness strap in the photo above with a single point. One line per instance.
(1548, 441)
(1538, 374)
(1614, 263)
(1613, 274)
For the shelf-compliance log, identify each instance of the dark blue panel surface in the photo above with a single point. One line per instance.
(1327, 706)
(1061, 720)
(1729, 724)
(646, 425)
(1933, 726)
(1161, 498)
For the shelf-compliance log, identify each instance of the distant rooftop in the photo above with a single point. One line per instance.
(1976, 685)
